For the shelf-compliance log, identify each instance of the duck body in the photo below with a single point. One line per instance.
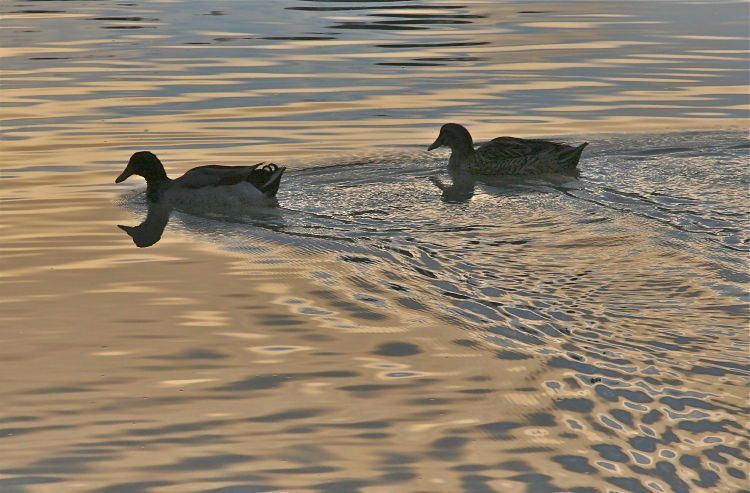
(506, 155)
(207, 187)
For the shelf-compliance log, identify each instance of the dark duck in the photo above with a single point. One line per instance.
(207, 186)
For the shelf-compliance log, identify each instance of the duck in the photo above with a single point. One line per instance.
(506, 155)
(206, 187)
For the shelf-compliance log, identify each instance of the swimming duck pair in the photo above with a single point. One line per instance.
(258, 184)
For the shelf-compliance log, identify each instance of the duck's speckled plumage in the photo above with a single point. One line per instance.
(506, 155)
(207, 186)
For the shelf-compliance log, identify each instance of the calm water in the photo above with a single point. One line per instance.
(373, 334)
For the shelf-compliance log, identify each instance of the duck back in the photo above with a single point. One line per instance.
(514, 156)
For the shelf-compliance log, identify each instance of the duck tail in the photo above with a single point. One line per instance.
(271, 187)
(569, 159)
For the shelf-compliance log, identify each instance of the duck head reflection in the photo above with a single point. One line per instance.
(150, 230)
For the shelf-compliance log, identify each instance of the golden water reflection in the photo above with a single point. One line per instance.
(375, 334)
(398, 68)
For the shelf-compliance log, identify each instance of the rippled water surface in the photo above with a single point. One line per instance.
(375, 333)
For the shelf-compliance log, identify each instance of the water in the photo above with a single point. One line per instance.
(373, 333)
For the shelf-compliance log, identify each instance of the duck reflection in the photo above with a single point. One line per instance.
(459, 190)
(199, 220)
(150, 230)
(462, 185)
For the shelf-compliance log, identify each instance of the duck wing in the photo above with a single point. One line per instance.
(511, 155)
(264, 177)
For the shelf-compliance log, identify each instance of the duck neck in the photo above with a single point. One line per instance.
(461, 153)
(155, 185)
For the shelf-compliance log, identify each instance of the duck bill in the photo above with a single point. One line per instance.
(124, 175)
(435, 144)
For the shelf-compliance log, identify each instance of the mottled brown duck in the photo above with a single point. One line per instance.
(506, 155)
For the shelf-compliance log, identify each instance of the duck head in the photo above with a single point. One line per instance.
(145, 164)
(454, 136)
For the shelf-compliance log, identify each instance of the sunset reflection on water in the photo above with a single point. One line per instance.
(555, 334)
